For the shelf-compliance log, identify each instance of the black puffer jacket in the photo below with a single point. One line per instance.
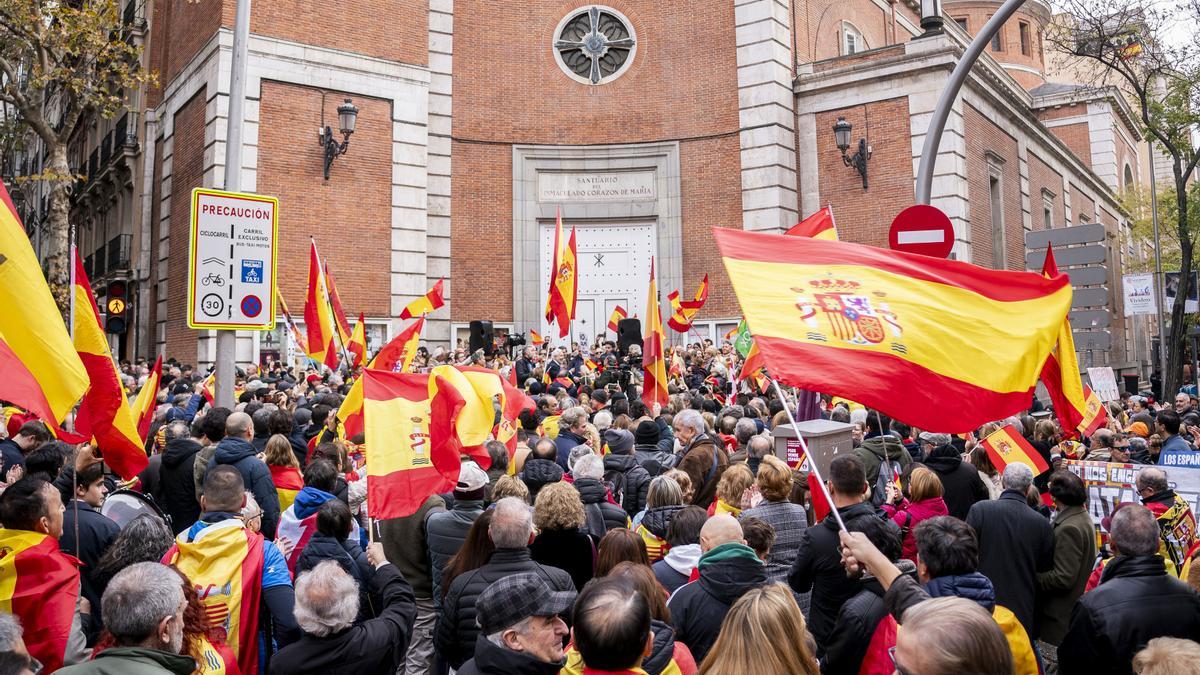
(491, 659)
(539, 473)
(457, 631)
(727, 572)
(175, 494)
(658, 519)
(1135, 602)
(663, 650)
(350, 557)
(445, 532)
(600, 515)
(631, 479)
(961, 484)
(856, 624)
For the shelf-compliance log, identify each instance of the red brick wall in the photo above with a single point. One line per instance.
(709, 199)
(1042, 177)
(396, 30)
(818, 26)
(481, 232)
(350, 214)
(983, 137)
(1078, 140)
(187, 172)
(179, 29)
(978, 13)
(1081, 204)
(864, 216)
(1059, 112)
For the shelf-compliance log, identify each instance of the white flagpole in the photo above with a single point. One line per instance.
(812, 462)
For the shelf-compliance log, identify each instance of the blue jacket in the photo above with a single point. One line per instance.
(241, 455)
(973, 586)
(308, 502)
(565, 442)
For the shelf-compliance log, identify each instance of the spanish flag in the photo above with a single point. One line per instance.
(654, 363)
(425, 304)
(396, 356)
(357, 344)
(39, 369)
(39, 584)
(225, 565)
(1006, 445)
(1095, 414)
(614, 321)
(1060, 372)
(288, 483)
(536, 337)
(147, 398)
(345, 331)
(316, 314)
(209, 388)
(515, 402)
(297, 336)
(104, 413)
(853, 320)
(473, 422)
(549, 426)
(683, 312)
(819, 225)
(560, 304)
(409, 434)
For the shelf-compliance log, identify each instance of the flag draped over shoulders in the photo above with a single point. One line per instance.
(39, 584)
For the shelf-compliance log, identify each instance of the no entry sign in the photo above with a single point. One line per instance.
(922, 229)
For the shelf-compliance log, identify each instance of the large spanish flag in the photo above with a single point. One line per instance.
(654, 361)
(1006, 445)
(39, 370)
(39, 584)
(819, 225)
(410, 454)
(560, 303)
(104, 413)
(1060, 373)
(425, 304)
(964, 343)
(317, 319)
(147, 398)
(473, 423)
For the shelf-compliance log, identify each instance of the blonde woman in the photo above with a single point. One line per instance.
(765, 616)
(663, 500)
(558, 515)
(733, 491)
(285, 470)
(685, 483)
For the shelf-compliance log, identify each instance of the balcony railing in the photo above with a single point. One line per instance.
(119, 252)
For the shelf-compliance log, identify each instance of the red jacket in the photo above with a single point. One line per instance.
(907, 515)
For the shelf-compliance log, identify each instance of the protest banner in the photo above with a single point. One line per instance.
(1109, 484)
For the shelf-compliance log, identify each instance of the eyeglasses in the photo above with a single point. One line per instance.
(895, 663)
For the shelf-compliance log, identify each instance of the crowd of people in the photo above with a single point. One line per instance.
(618, 538)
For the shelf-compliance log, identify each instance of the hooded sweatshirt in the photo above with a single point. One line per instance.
(674, 569)
(299, 522)
(727, 572)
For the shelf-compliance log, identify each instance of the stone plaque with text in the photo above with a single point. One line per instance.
(596, 187)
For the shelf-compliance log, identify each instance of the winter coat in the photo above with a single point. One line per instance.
(1015, 543)
(564, 443)
(961, 485)
(675, 568)
(818, 568)
(133, 661)
(350, 557)
(539, 473)
(655, 459)
(445, 532)
(856, 624)
(653, 529)
(630, 481)
(664, 652)
(96, 533)
(404, 544)
(727, 572)
(175, 495)
(1135, 602)
(907, 515)
(704, 461)
(373, 646)
(790, 521)
(492, 659)
(569, 550)
(1074, 557)
(600, 515)
(874, 450)
(456, 634)
(241, 455)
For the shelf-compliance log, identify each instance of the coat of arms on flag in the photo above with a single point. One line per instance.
(851, 314)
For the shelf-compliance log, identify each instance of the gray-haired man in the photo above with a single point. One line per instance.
(519, 621)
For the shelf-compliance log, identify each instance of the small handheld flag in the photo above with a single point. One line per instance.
(1006, 445)
(535, 337)
(425, 304)
(818, 226)
(615, 320)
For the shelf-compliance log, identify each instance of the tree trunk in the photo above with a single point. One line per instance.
(58, 218)
(1179, 339)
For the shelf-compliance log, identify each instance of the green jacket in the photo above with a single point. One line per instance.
(1074, 558)
(872, 452)
(133, 661)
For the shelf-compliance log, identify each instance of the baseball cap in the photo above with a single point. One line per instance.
(471, 477)
(515, 598)
(934, 439)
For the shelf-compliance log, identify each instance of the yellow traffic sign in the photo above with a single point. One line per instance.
(116, 306)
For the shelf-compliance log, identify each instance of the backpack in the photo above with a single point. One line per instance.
(887, 469)
(614, 480)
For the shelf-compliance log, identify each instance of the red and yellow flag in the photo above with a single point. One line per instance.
(852, 320)
(614, 321)
(297, 336)
(396, 356)
(409, 433)
(1006, 445)
(1060, 372)
(39, 584)
(317, 319)
(1095, 414)
(288, 483)
(560, 304)
(147, 398)
(474, 419)
(357, 344)
(819, 225)
(226, 566)
(39, 369)
(536, 337)
(654, 362)
(209, 389)
(425, 304)
(515, 402)
(104, 413)
(335, 303)
(683, 312)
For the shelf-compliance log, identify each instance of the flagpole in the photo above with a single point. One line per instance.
(812, 461)
(328, 305)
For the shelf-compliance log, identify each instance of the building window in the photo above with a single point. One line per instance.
(594, 44)
(998, 40)
(852, 40)
(1083, 219)
(962, 22)
(1026, 48)
(1128, 177)
(996, 197)
(1047, 209)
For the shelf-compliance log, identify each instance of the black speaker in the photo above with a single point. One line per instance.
(482, 337)
(1131, 382)
(629, 332)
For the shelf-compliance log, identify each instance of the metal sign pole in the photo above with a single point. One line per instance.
(227, 339)
(1159, 280)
